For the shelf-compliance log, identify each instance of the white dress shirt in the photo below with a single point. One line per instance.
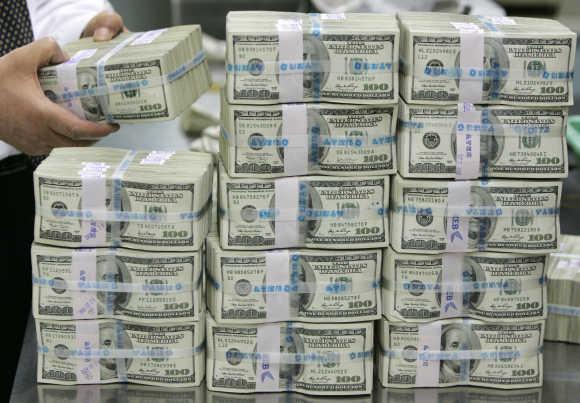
(64, 20)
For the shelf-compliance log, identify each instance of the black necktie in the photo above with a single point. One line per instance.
(15, 26)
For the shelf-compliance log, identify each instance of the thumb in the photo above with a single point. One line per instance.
(105, 26)
(44, 52)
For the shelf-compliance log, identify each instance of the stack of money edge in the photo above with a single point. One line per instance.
(563, 321)
(105, 309)
(429, 126)
(166, 80)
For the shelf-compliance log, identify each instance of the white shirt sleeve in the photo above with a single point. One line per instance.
(64, 20)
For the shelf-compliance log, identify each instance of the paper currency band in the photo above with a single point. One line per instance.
(476, 212)
(103, 88)
(298, 67)
(461, 287)
(114, 287)
(485, 129)
(564, 310)
(293, 215)
(320, 140)
(462, 355)
(325, 287)
(220, 355)
(122, 353)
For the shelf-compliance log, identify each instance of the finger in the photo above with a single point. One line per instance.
(58, 140)
(44, 52)
(67, 124)
(105, 26)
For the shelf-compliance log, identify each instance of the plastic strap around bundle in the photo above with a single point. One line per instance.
(88, 370)
(87, 285)
(458, 198)
(295, 130)
(458, 355)
(473, 212)
(85, 353)
(467, 142)
(289, 213)
(322, 287)
(287, 202)
(564, 310)
(291, 52)
(452, 280)
(278, 276)
(471, 54)
(500, 284)
(68, 82)
(267, 369)
(84, 268)
(101, 63)
(93, 197)
(117, 190)
(276, 357)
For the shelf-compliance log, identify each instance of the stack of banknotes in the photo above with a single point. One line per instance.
(526, 61)
(133, 312)
(563, 323)
(111, 197)
(274, 57)
(136, 77)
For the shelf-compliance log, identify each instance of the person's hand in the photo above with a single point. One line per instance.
(104, 26)
(31, 122)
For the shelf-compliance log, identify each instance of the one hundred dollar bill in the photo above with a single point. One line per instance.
(514, 142)
(110, 351)
(111, 197)
(312, 212)
(270, 141)
(116, 283)
(135, 77)
(429, 216)
(460, 352)
(524, 61)
(496, 287)
(298, 285)
(275, 57)
(317, 359)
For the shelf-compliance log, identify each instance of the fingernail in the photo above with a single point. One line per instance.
(102, 34)
(115, 127)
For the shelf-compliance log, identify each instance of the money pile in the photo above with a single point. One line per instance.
(515, 61)
(132, 312)
(110, 197)
(274, 57)
(110, 351)
(498, 287)
(460, 352)
(136, 77)
(304, 285)
(270, 141)
(312, 212)
(318, 359)
(430, 216)
(563, 323)
(514, 141)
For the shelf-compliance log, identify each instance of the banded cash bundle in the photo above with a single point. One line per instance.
(136, 199)
(513, 142)
(312, 212)
(275, 57)
(110, 351)
(430, 216)
(497, 287)
(116, 283)
(563, 323)
(299, 284)
(460, 352)
(297, 139)
(316, 359)
(136, 77)
(516, 61)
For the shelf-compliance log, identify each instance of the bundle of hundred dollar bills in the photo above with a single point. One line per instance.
(430, 216)
(513, 141)
(269, 141)
(310, 211)
(275, 57)
(507, 60)
(108, 351)
(116, 283)
(317, 359)
(496, 287)
(563, 323)
(136, 77)
(460, 352)
(299, 284)
(93, 196)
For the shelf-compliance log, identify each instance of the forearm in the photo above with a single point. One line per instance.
(64, 20)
